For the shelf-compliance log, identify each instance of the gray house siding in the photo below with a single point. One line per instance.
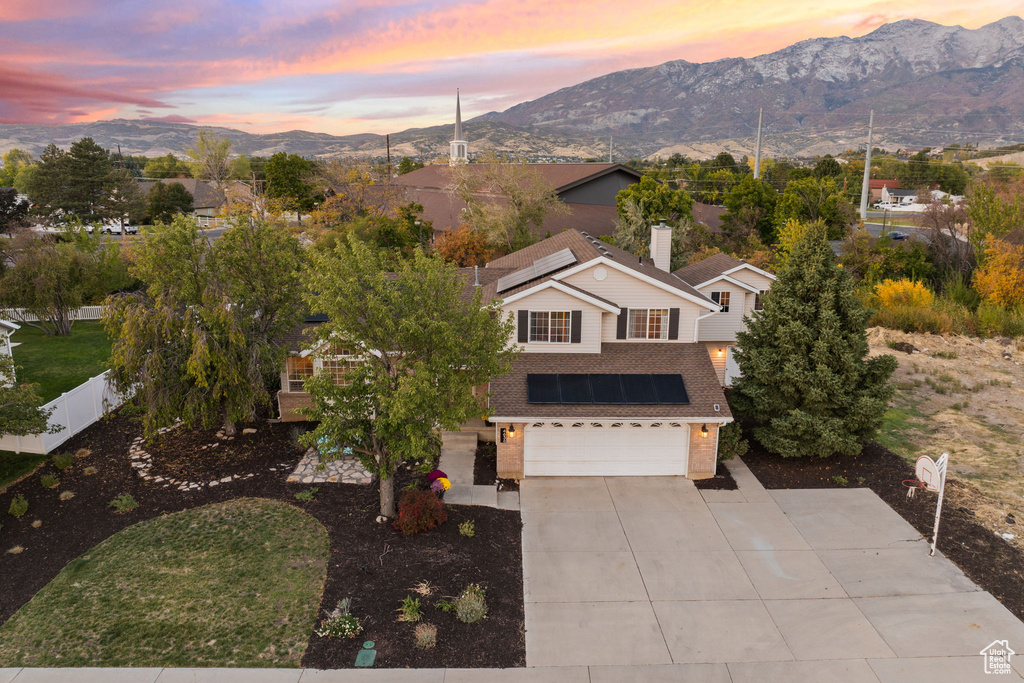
(600, 190)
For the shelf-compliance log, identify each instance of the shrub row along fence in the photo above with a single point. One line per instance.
(20, 314)
(73, 411)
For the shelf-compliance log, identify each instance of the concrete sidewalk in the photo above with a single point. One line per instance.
(744, 585)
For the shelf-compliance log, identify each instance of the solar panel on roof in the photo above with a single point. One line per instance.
(638, 389)
(670, 388)
(542, 389)
(575, 388)
(539, 268)
(606, 388)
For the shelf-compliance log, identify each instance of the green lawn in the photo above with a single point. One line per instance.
(235, 584)
(14, 466)
(59, 364)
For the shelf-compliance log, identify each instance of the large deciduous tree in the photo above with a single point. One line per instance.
(505, 200)
(13, 211)
(21, 411)
(424, 345)
(751, 209)
(807, 380)
(289, 179)
(209, 158)
(167, 199)
(201, 343)
(811, 199)
(656, 201)
(49, 277)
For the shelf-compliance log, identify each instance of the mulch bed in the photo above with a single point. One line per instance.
(986, 559)
(722, 481)
(485, 468)
(371, 563)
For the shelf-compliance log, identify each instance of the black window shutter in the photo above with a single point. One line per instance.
(673, 323)
(716, 296)
(524, 327)
(576, 327)
(620, 331)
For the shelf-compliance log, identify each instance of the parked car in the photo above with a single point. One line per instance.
(896, 235)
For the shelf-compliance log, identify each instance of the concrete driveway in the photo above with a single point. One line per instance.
(648, 578)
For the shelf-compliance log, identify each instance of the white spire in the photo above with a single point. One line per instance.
(459, 150)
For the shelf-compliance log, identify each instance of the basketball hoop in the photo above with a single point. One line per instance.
(913, 486)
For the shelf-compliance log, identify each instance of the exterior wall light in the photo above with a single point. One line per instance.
(704, 431)
(721, 352)
(512, 431)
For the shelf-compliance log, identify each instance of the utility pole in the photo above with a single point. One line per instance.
(387, 139)
(757, 154)
(609, 149)
(865, 190)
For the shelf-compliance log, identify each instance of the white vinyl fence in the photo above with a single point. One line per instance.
(19, 314)
(74, 411)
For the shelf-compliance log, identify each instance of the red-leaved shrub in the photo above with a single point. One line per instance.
(419, 511)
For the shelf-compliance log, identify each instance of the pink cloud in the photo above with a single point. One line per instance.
(170, 118)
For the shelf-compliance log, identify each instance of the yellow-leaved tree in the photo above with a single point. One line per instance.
(903, 292)
(1001, 279)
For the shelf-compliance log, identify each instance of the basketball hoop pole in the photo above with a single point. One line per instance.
(941, 466)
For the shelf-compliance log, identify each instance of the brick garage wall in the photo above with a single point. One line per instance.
(703, 451)
(510, 453)
(288, 403)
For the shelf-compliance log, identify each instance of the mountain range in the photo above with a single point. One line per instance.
(928, 85)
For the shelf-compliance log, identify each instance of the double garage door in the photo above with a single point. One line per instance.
(602, 449)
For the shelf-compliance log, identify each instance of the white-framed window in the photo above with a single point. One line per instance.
(299, 369)
(722, 299)
(549, 326)
(338, 365)
(759, 300)
(648, 323)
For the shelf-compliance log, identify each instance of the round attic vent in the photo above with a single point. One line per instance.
(600, 273)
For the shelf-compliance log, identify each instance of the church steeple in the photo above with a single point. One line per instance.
(459, 150)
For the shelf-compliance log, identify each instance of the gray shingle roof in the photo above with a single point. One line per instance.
(689, 360)
(708, 268)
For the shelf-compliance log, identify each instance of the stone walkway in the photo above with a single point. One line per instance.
(749, 585)
(458, 455)
(344, 470)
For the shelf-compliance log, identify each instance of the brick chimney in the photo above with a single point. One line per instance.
(661, 246)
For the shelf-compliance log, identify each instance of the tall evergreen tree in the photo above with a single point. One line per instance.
(806, 379)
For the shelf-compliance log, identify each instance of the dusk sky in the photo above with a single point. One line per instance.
(379, 66)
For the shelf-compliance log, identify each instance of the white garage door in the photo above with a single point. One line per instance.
(603, 449)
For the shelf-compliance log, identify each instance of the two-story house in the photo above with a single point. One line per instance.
(739, 289)
(617, 375)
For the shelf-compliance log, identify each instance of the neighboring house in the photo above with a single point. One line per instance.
(739, 289)
(587, 190)
(876, 185)
(207, 201)
(894, 197)
(616, 377)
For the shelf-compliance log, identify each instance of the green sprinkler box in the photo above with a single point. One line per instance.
(367, 655)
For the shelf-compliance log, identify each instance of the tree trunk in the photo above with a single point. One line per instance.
(387, 497)
(229, 425)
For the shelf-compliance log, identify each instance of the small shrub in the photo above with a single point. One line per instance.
(912, 319)
(860, 481)
(959, 406)
(411, 610)
(339, 623)
(16, 550)
(419, 511)
(89, 471)
(307, 495)
(426, 636)
(948, 355)
(19, 506)
(83, 453)
(49, 481)
(996, 321)
(471, 606)
(67, 495)
(841, 480)
(730, 441)
(467, 528)
(36, 523)
(423, 588)
(62, 461)
(903, 292)
(124, 503)
(445, 605)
